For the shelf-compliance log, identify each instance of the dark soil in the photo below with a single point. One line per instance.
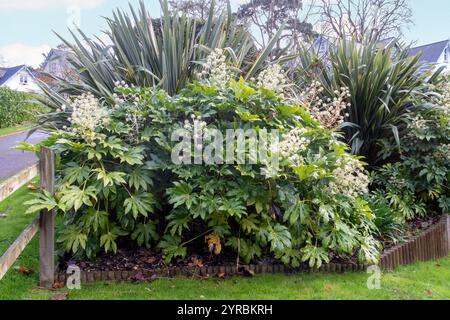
(148, 260)
(410, 230)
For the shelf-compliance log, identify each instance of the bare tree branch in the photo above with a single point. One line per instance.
(364, 20)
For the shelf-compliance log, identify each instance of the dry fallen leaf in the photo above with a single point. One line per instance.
(58, 285)
(173, 286)
(32, 187)
(23, 270)
(214, 244)
(60, 296)
(329, 287)
(430, 292)
(222, 275)
(151, 260)
(139, 277)
(195, 262)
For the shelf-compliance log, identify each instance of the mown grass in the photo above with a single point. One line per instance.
(428, 280)
(11, 130)
(16, 220)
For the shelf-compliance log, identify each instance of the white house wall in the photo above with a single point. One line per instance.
(441, 62)
(14, 83)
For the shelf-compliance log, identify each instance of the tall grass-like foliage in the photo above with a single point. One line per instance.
(143, 51)
(383, 85)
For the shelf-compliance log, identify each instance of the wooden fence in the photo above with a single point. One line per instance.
(45, 223)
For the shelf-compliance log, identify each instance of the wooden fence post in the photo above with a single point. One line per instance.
(47, 221)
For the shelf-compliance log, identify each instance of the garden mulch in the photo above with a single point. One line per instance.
(147, 260)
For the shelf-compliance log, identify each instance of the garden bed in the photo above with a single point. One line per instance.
(429, 241)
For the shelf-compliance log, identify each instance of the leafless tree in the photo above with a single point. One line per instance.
(363, 19)
(265, 17)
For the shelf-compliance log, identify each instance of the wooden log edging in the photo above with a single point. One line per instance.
(10, 185)
(210, 271)
(431, 244)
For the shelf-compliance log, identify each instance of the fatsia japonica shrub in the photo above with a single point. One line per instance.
(124, 180)
(418, 184)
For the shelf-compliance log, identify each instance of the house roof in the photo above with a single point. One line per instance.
(59, 53)
(388, 42)
(430, 52)
(8, 73)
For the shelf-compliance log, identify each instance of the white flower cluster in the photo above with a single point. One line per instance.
(446, 97)
(87, 114)
(291, 144)
(216, 68)
(273, 79)
(120, 98)
(329, 112)
(397, 182)
(419, 123)
(349, 177)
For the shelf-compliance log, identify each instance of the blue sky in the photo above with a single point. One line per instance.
(27, 25)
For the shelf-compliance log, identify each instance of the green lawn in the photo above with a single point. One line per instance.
(16, 220)
(11, 130)
(420, 281)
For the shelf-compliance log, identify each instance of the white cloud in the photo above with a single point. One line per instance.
(19, 53)
(47, 4)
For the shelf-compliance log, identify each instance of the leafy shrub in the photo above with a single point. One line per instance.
(118, 182)
(15, 108)
(418, 183)
(383, 85)
(390, 229)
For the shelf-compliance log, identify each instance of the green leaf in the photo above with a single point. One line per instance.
(139, 179)
(172, 248)
(74, 197)
(142, 203)
(181, 194)
(144, 233)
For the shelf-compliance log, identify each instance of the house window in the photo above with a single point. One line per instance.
(23, 79)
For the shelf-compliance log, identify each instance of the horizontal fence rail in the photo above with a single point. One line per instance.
(45, 168)
(14, 251)
(10, 185)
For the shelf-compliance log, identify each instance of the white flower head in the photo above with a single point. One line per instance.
(273, 79)
(87, 113)
(216, 68)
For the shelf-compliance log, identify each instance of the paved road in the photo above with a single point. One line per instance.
(13, 161)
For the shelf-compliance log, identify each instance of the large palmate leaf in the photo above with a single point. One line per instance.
(139, 204)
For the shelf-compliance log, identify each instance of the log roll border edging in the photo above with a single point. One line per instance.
(433, 243)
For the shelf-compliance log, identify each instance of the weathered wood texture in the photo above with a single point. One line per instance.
(431, 244)
(47, 221)
(15, 182)
(14, 251)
